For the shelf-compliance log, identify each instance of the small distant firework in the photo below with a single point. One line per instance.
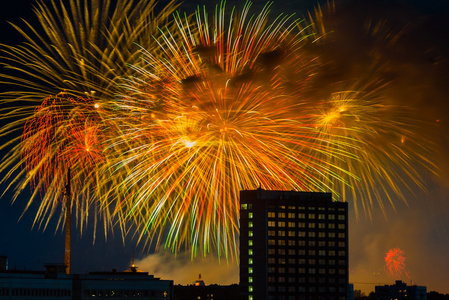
(395, 263)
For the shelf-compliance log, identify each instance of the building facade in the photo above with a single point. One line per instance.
(53, 283)
(399, 291)
(293, 246)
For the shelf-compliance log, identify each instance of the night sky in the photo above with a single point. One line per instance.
(421, 228)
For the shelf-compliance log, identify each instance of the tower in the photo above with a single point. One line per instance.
(68, 223)
(293, 245)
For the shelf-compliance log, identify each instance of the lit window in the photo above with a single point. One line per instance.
(291, 233)
(341, 235)
(250, 279)
(291, 215)
(250, 215)
(244, 206)
(281, 224)
(321, 225)
(322, 252)
(291, 242)
(250, 242)
(250, 288)
(250, 270)
(291, 224)
(281, 215)
(291, 252)
(250, 261)
(271, 242)
(321, 216)
(281, 233)
(250, 233)
(271, 233)
(250, 252)
(250, 224)
(271, 214)
(341, 226)
(250, 297)
(302, 216)
(311, 216)
(271, 223)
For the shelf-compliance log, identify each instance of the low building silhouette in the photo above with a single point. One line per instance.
(400, 291)
(198, 290)
(54, 283)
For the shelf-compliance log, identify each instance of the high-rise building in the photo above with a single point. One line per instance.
(293, 245)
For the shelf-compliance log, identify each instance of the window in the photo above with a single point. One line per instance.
(281, 242)
(321, 234)
(244, 206)
(301, 261)
(250, 270)
(250, 215)
(250, 224)
(250, 261)
(321, 216)
(250, 233)
(281, 224)
(291, 215)
(250, 251)
(312, 252)
(271, 251)
(250, 242)
(312, 234)
(301, 225)
(281, 270)
(281, 215)
(271, 214)
(321, 244)
(271, 270)
(311, 225)
(312, 261)
(291, 261)
(301, 234)
(291, 224)
(311, 216)
(281, 233)
(341, 253)
(301, 243)
(250, 279)
(271, 223)
(291, 252)
(341, 226)
(321, 225)
(331, 226)
(312, 243)
(331, 217)
(271, 242)
(271, 233)
(271, 279)
(301, 270)
(250, 288)
(341, 244)
(291, 233)
(321, 252)
(332, 234)
(281, 261)
(341, 235)
(301, 216)
(271, 260)
(281, 251)
(291, 242)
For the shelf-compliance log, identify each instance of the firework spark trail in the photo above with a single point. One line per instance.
(395, 263)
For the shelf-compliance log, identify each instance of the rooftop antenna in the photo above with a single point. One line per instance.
(68, 223)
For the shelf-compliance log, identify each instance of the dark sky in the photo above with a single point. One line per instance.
(420, 229)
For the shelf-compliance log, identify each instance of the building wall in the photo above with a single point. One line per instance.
(293, 245)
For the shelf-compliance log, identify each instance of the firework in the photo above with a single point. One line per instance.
(63, 79)
(395, 262)
(208, 106)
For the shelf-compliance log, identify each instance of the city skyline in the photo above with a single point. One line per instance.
(421, 229)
